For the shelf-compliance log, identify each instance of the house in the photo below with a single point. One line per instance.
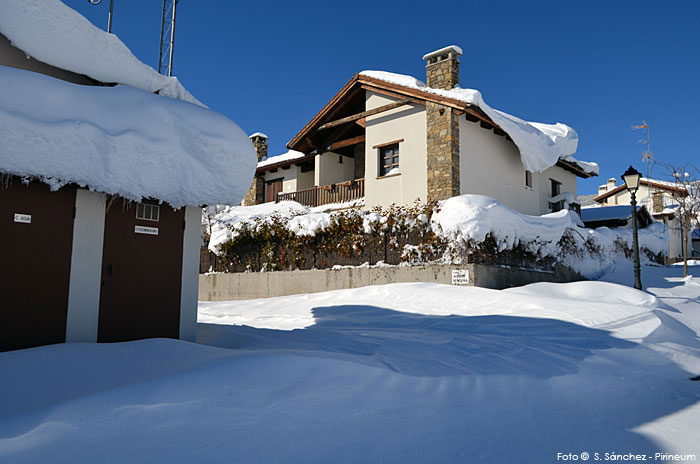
(695, 237)
(658, 198)
(614, 216)
(102, 184)
(389, 138)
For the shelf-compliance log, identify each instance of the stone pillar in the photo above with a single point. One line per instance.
(442, 126)
(443, 152)
(256, 193)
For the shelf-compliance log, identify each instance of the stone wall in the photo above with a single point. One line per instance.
(251, 285)
(442, 127)
(443, 74)
(256, 193)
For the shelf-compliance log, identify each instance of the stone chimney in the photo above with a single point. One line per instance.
(442, 70)
(657, 199)
(260, 144)
(256, 193)
(442, 126)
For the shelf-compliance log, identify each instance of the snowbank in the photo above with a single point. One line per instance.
(541, 145)
(54, 33)
(120, 140)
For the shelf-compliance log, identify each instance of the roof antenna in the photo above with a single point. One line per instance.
(167, 29)
(111, 9)
(648, 155)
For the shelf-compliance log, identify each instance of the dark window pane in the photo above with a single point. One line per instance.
(139, 211)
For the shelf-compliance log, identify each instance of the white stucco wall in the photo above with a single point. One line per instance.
(86, 267)
(329, 170)
(490, 165)
(288, 176)
(408, 123)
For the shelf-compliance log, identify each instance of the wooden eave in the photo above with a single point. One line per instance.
(574, 168)
(298, 161)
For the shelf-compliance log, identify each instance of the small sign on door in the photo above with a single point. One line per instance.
(460, 277)
(24, 218)
(146, 230)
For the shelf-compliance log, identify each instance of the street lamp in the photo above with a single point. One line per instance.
(632, 178)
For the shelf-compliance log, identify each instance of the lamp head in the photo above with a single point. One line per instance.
(631, 178)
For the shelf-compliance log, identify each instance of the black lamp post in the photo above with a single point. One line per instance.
(632, 178)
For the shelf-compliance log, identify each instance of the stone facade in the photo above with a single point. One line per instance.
(359, 152)
(256, 193)
(443, 152)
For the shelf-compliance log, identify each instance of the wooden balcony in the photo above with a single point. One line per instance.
(326, 194)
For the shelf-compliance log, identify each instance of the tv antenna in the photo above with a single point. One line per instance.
(167, 38)
(648, 155)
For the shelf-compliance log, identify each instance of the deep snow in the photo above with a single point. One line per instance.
(56, 34)
(120, 140)
(396, 373)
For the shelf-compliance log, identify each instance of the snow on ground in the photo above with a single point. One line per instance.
(397, 373)
(120, 140)
(541, 145)
(54, 33)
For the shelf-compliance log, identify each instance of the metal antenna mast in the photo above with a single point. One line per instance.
(167, 38)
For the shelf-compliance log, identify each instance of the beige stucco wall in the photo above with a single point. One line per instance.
(490, 165)
(408, 123)
(305, 180)
(329, 170)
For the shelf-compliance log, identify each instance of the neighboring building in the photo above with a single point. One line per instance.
(695, 237)
(657, 197)
(614, 216)
(102, 186)
(391, 139)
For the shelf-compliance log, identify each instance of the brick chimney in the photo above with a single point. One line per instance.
(260, 144)
(256, 193)
(442, 70)
(442, 126)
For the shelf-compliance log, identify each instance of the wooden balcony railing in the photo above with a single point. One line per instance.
(326, 194)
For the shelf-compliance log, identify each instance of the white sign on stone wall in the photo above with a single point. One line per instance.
(146, 230)
(24, 218)
(460, 277)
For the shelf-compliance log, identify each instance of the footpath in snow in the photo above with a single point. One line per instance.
(396, 373)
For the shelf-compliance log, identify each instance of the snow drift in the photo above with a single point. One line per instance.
(120, 140)
(541, 145)
(55, 34)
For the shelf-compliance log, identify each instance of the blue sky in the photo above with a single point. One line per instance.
(599, 66)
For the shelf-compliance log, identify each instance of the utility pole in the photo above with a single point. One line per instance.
(167, 37)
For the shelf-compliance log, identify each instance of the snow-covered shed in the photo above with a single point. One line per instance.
(105, 165)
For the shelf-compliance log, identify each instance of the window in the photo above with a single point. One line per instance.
(556, 187)
(147, 212)
(388, 159)
(528, 179)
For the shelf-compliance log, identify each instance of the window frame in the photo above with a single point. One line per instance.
(151, 208)
(528, 179)
(394, 158)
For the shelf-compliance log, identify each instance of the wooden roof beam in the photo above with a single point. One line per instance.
(346, 142)
(364, 114)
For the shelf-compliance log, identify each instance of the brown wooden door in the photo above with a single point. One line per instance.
(141, 274)
(272, 188)
(35, 256)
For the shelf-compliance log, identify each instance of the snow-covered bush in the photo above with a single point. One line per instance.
(464, 229)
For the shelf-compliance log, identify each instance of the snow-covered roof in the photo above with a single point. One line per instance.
(541, 145)
(289, 156)
(607, 213)
(120, 140)
(55, 34)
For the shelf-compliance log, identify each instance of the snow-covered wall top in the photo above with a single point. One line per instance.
(121, 140)
(540, 145)
(57, 35)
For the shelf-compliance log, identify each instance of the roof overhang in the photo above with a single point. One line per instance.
(656, 185)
